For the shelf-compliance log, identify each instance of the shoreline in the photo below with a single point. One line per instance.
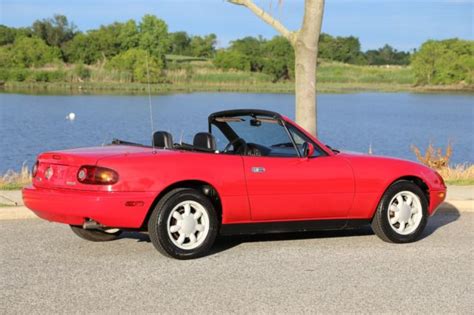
(285, 87)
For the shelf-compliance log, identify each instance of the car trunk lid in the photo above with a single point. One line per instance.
(58, 169)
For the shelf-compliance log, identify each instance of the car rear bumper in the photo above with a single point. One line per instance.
(113, 209)
(436, 199)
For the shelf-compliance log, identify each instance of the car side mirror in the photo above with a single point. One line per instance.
(308, 149)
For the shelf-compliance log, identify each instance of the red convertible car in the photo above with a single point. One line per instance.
(253, 171)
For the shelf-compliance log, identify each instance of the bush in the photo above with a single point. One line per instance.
(19, 75)
(48, 76)
(279, 59)
(134, 61)
(33, 52)
(82, 72)
(232, 60)
(444, 62)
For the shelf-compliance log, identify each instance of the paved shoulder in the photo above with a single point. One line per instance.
(45, 268)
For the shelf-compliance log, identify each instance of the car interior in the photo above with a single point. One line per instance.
(249, 135)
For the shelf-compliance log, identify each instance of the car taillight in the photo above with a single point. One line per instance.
(34, 169)
(95, 175)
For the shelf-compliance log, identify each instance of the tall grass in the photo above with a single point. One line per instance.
(193, 74)
(461, 174)
(12, 180)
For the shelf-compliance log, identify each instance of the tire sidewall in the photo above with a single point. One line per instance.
(384, 208)
(160, 224)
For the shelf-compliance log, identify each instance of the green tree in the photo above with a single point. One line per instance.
(154, 36)
(279, 59)
(444, 62)
(9, 34)
(5, 57)
(180, 43)
(33, 52)
(387, 55)
(203, 46)
(231, 59)
(82, 49)
(54, 31)
(134, 62)
(342, 49)
(251, 47)
(128, 35)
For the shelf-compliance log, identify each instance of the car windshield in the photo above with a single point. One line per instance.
(260, 136)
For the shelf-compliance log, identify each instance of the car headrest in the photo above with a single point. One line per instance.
(205, 140)
(162, 139)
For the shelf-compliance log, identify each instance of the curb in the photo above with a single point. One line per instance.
(19, 213)
(16, 213)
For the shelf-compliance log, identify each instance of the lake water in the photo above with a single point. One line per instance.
(388, 122)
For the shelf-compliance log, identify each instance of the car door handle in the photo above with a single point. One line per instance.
(258, 169)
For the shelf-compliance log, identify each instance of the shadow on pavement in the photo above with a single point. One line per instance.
(224, 243)
(443, 216)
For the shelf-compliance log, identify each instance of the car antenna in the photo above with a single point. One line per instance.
(149, 101)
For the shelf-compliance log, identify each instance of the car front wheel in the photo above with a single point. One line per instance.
(402, 213)
(183, 224)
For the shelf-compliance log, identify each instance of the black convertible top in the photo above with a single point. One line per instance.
(244, 112)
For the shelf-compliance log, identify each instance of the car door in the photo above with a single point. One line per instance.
(295, 188)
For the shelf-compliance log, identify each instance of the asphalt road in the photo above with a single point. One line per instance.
(45, 268)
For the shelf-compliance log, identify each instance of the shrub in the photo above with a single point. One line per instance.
(434, 157)
(19, 75)
(82, 72)
(232, 60)
(48, 76)
(134, 61)
(33, 52)
(444, 62)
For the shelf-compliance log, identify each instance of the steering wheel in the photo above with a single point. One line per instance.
(233, 143)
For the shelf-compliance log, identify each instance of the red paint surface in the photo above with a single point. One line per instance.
(335, 186)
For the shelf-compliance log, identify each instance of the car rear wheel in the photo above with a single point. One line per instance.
(96, 235)
(402, 213)
(183, 224)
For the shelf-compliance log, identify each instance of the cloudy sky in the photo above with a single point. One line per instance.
(404, 24)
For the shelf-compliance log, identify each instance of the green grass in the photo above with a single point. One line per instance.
(460, 182)
(201, 75)
(11, 186)
(345, 73)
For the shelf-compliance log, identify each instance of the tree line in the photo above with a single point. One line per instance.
(142, 47)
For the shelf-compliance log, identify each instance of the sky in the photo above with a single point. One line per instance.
(404, 24)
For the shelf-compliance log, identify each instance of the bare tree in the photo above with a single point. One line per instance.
(305, 42)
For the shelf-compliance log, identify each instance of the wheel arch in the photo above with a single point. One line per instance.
(206, 188)
(412, 178)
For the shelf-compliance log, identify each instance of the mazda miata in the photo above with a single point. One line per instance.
(252, 171)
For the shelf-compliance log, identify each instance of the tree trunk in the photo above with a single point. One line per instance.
(305, 42)
(306, 56)
(305, 87)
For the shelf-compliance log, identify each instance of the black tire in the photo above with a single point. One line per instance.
(158, 224)
(95, 235)
(380, 222)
